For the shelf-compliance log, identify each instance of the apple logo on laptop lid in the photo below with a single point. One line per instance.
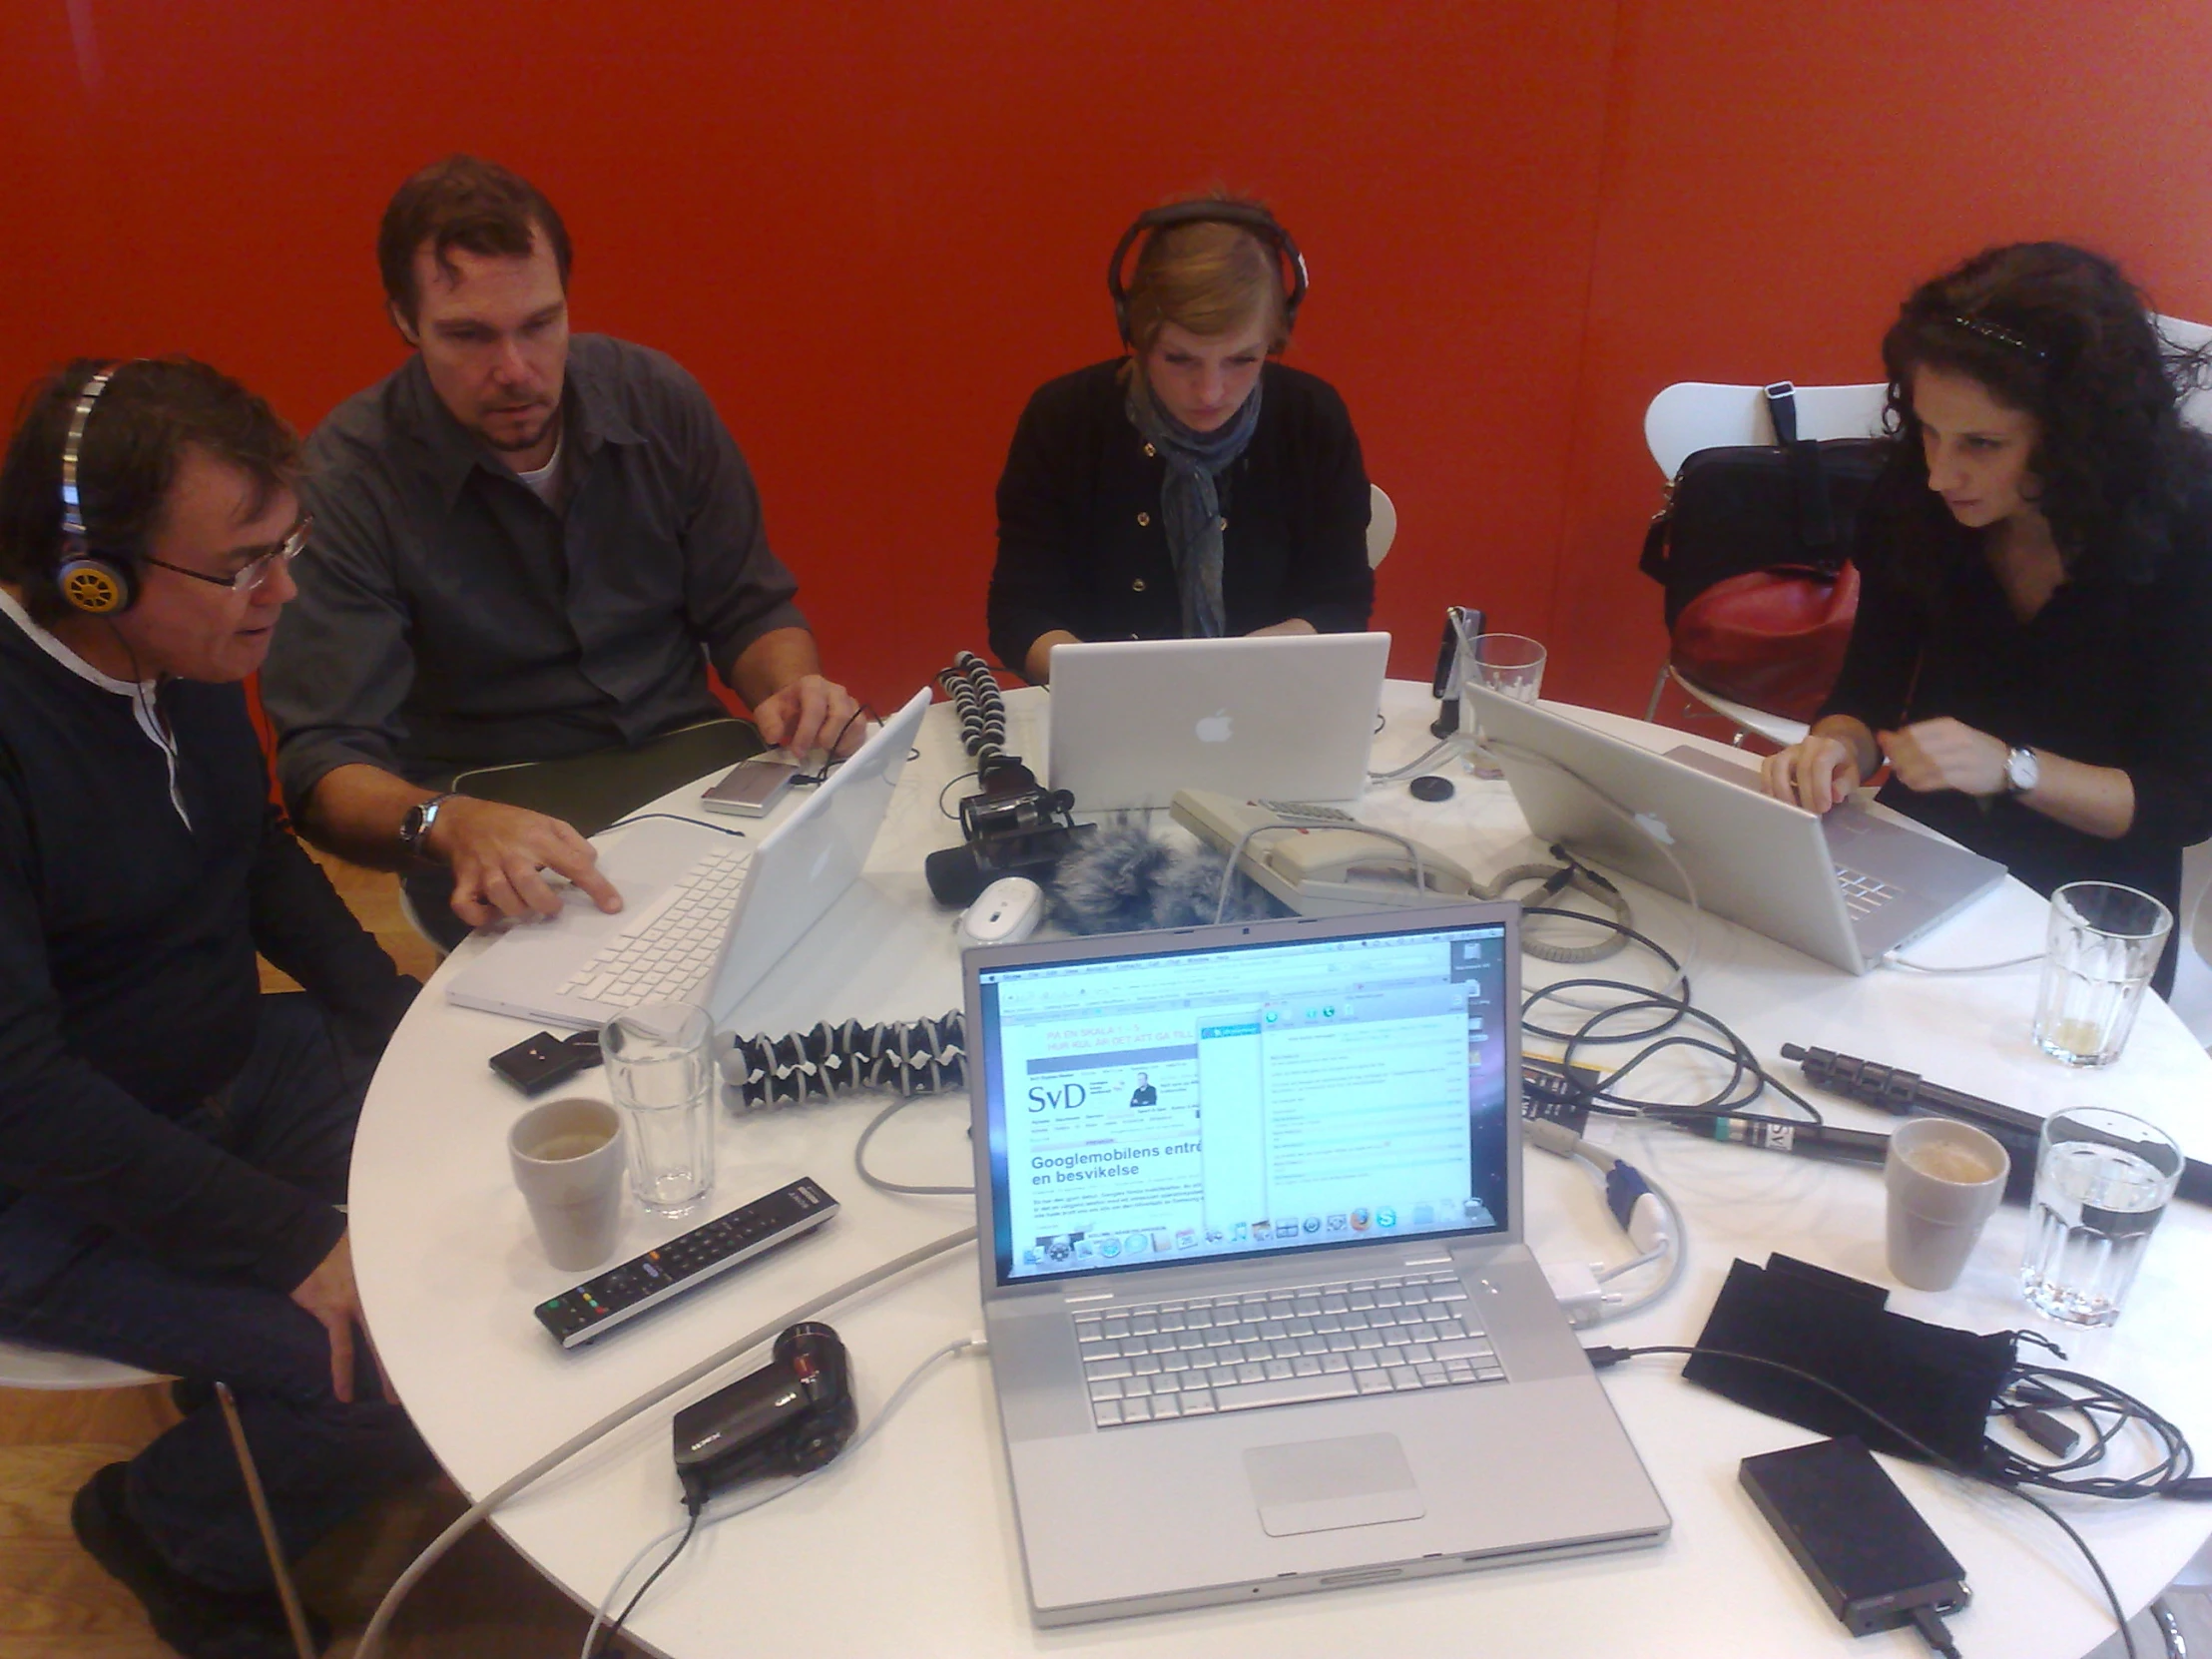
(1215, 728)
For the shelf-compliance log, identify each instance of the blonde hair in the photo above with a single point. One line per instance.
(1209, 278)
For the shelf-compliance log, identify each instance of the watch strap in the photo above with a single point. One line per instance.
(415, 828)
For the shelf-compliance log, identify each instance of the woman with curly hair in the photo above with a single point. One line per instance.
(2033, 645)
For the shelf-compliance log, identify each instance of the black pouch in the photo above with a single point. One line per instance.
(1934, 1382)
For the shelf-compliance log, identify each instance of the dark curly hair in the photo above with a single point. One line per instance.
(2062, 334)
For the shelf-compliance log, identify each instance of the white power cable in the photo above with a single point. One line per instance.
(372, 1638)
(1893, 959)
(859, 1159)
(1637, 823)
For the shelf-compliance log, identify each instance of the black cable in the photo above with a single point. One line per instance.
(1929, 1624)
(674, 818)
(834, 760)
(607, 1632)
(1603, 1357)
(1607, 1099)
(947, 789)
(2108, 1411)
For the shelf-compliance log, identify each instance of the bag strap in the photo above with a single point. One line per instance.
(1782, 406)
(1816, 517)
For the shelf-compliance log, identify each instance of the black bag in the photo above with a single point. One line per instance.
(1740, 508)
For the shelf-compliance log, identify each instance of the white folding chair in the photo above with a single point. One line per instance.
(1701, 414)
(1381, 525)
(57, 1370)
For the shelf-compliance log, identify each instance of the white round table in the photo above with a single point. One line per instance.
(908, 1546)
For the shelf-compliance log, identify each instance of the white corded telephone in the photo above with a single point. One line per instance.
(1318, 861)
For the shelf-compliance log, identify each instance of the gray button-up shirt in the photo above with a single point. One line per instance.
(447, 618)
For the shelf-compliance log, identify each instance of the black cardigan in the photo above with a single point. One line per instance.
(2109, 672)
(1080, 543)
(127, 986)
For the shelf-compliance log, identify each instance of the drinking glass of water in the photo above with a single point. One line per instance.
(2105, 942)
(2102, 1180)
(661, 1071)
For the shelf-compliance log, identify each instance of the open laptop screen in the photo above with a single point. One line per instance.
(1245, 1099)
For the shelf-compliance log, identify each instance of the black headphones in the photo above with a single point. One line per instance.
(1245, 216)
(90, 581)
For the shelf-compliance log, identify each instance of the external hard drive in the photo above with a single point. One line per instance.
(1860, 1541)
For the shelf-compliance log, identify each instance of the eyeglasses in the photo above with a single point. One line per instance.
(248, 577)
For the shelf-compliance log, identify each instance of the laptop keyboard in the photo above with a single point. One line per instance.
(1862, 895)
(1203, 1355)
(669, 955)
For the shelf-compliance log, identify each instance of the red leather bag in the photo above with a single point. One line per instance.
(1773, 638)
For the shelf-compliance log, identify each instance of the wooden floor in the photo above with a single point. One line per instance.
(481, 1602)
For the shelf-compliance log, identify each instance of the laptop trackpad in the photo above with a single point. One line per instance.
(1317, 1485)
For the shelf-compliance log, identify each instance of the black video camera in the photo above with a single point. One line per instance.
(792, 1415)
(1014, 827)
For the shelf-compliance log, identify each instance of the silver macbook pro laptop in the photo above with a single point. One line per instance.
(705, 914)
(1261, 1317)
(1845, 887)
(1280, 718)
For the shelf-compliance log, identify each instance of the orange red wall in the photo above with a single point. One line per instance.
(872, 230)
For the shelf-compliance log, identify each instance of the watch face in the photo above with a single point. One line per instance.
(2021, 771)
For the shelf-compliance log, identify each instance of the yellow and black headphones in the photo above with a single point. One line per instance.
(1246, 216)
(91, 581)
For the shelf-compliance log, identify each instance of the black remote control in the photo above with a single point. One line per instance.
(596, 1306)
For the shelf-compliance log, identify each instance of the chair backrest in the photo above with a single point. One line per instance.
(1381, 525)
(23, 1365)
(1699, 414)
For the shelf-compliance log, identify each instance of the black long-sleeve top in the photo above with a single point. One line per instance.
(128, 987)
(1080, 540)
(2109, 672)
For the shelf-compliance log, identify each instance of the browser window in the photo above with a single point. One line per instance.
(1245, 1100)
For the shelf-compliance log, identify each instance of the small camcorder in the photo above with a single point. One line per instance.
(791, 1416)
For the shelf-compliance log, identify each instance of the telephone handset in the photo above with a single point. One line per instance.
(1318, 861)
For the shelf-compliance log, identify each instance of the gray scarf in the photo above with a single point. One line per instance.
(1190, 501)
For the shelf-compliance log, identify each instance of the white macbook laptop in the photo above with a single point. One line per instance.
(705, 914)
(1845, 887)
(1261, 1317)
(1280, 718)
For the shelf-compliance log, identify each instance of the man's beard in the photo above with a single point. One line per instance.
(529, 440)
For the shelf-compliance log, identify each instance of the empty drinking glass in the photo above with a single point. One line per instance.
(2104, 943)
(1511, 665)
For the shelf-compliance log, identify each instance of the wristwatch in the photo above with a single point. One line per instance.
(2022, 772)
(415, 828)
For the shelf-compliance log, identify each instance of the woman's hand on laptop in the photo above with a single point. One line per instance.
(1818, 774)
(499, 855)
(808, 714)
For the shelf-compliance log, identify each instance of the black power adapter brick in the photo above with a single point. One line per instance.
(1876, 1563)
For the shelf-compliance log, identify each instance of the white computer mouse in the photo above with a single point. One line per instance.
(1006, 910)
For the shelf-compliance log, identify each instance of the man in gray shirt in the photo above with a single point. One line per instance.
(526, 546)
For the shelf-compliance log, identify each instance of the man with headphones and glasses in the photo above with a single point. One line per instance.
(174, 1144)
(529, 547)
(1194, 486)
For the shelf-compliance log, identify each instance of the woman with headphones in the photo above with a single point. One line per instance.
(1193, 487)
(2032, 653)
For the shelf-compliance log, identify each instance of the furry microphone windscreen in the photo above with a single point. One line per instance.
(1123, 880)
